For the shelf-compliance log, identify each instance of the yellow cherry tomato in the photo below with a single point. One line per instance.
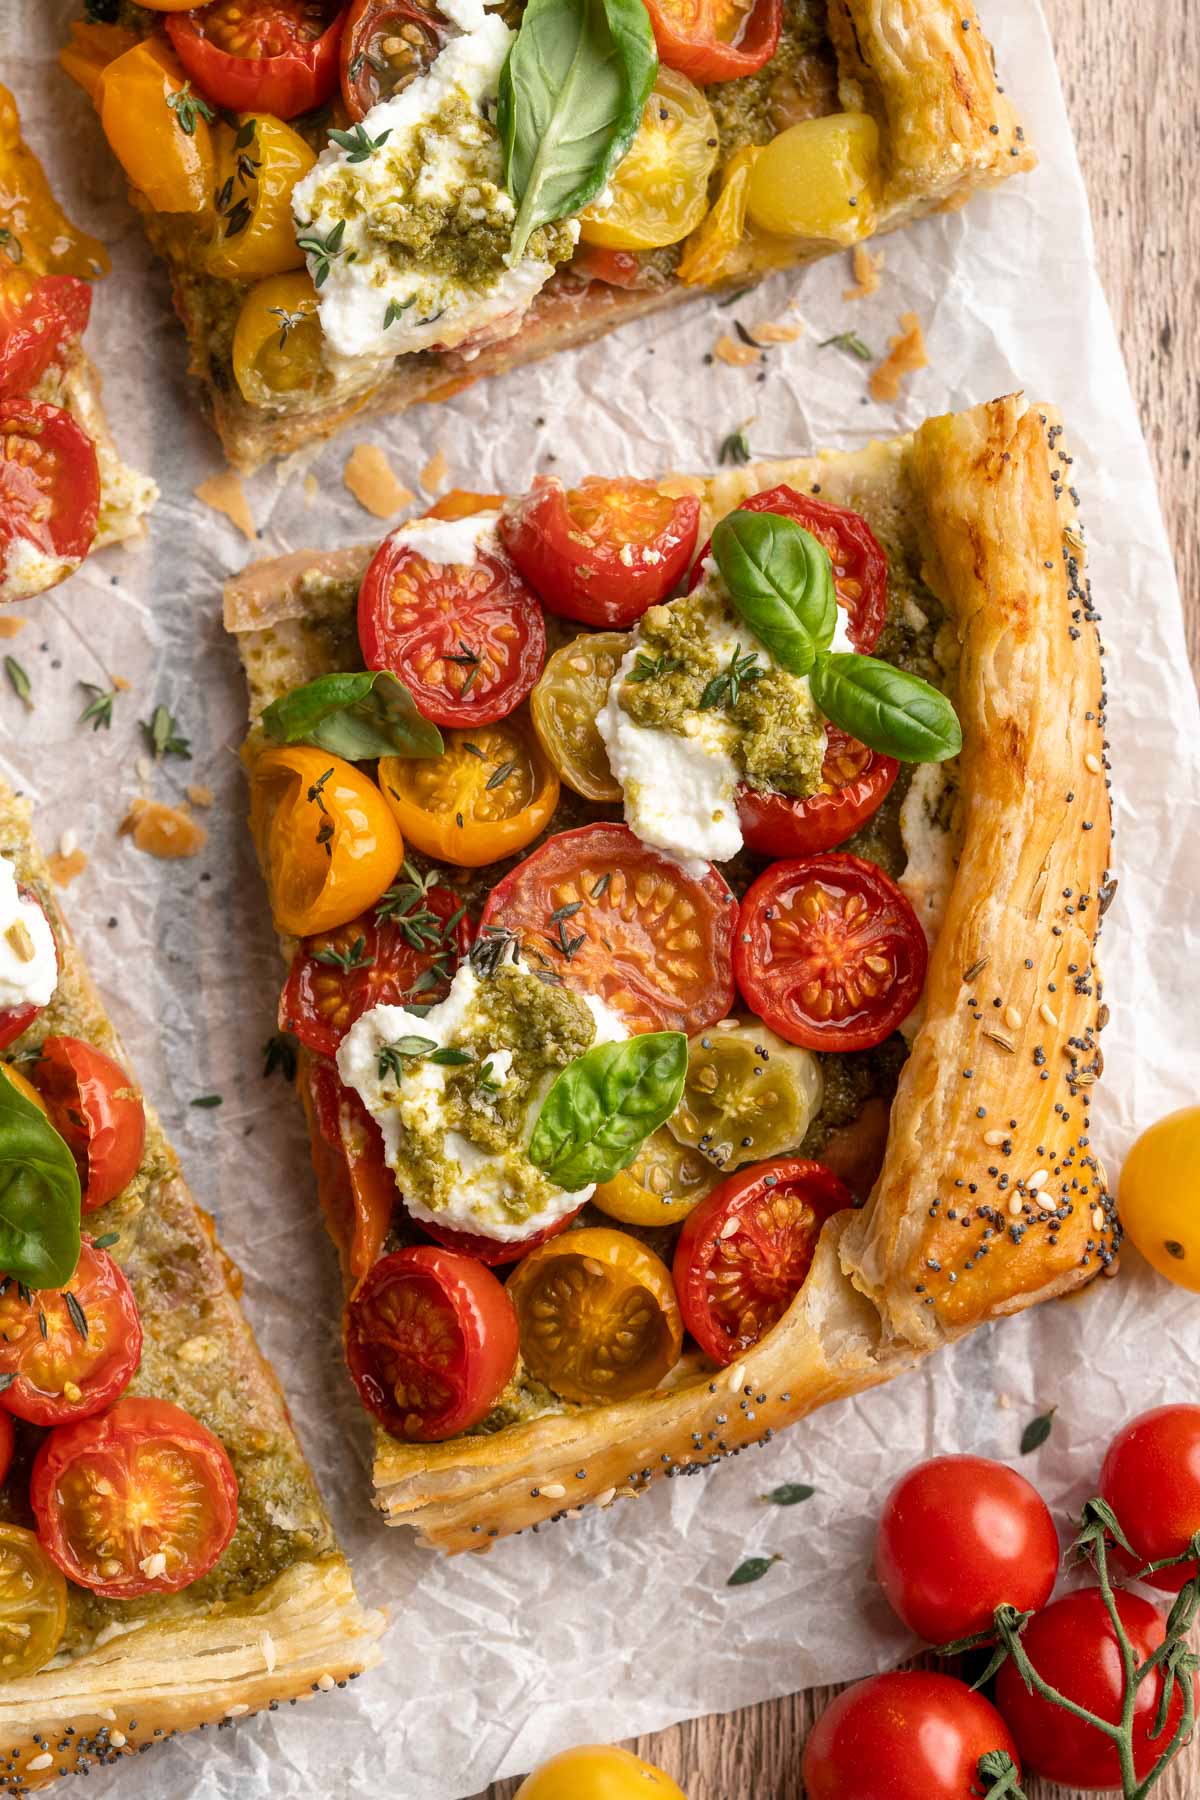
(33, 226)
(13, 1074)
(328, 845)
(658, 192)
(1158, 1196)
(570, 691)
(258, 165)
(277, 340)
(598, 1772)
(33, 1604)
(487, 796)
(158, 128)
(819, 180)
(598, 1315)
(709, 253)
(662, 1184)
(747, 1094)
(91, 49)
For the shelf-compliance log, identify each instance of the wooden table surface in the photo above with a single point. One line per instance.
(1132, 76)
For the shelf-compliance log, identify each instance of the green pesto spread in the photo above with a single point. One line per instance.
(799, 82)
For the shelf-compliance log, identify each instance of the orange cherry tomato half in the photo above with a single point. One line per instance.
(487, 796)
(744, 1253)
(467, 639)
(49, 482)
(855, 781)
(431, 1342)
(655, 943)
(95, 1107)
(349, 1130)
(716, 40)
(273, 56)
(66, 1353)
(829, 952)
(328, 845)
(860, 565)
(141, 1499)
(387, 44)
(604, 551)
(40, 315)
(16, 1019)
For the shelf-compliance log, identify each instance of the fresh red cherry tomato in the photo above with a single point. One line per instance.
(269, 56)
(16, 1019)
(1074, 1648)
(855, 781)
(745, 1251)
(829, 952)
(715, 40)
(94, 1105)
(431, 1342)
(467, 639)
(860, 565)
(910, 1735)
(66, 1353)
(39, 316)
(387, 44)
(958, 1537)
(601, 552)
(49, 484)
(1151, 1479)
(141, 1499)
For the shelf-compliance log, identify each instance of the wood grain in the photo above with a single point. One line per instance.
(1132, 76)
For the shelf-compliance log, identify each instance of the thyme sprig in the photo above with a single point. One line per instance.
(188, 107)
(725, 689)
(323, 250)
(358, 143)
(163, 737)
(650, 668)
(851, 343)
(99, 709)
(356, 957)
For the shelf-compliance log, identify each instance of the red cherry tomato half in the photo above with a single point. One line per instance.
(387, 44)
(495, 1253)
(373, 961)
(431, 1342)
(66, 1358)
(49, 482)
(860, 565)
(39, 316)
(715, 40)
(141, 1499)
(349, 1130)
(911, 1735)
(601, 552)
(829, 952)
(745, 1251)
(616, 268)
(16, 1019)
(94, 1105)
(855, 781)
(467, 639)
(270, 56)
(1151, 1479)
(651, 940)
(7, 1440)
(1073, 1646)
(958, 1537)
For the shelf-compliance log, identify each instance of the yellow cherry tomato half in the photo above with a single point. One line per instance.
(747, 1094)
(658, 192)
(90, 50)
(258, 164)
(662, 1184)
(1157, 1196)
(277, 340)
(487, 796)
(570, 692)
(33, 1604)
(598, 1315)
(328, 845)
(598, 1772)
(819, 180)
(38, 230)
(709, 254)
(156, 125)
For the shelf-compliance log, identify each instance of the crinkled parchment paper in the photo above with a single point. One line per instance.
(620, 1622)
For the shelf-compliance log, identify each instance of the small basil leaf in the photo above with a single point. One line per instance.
(1037, 1431)
(791, 1493)
(604, 1106)
(571, 99)
(781, 581)
(357, 716)
(894, 712)
(39, 1196)
(753, 1569)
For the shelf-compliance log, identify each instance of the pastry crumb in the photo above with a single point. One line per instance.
(162, 830)
(199, 794)
(866, 273)
(369, 476)
(737, 355)
(66, 865)
(10, 625)
(435, 472)
(225, 494)
(120, 683)
(774, 331)
(907, 354)
(312, 488)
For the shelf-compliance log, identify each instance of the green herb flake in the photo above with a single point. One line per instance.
(851, 343)
(790, 1493)
(99, 710)
(279, 1056)
(207, 1101)
(753, 1569)
(1037, 1431)
(19, 681)
(735, 449)
(163, 737)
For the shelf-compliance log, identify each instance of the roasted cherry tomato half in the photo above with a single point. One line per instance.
(855, 781)
(744, 1253)
(487, 796)
(819, 181)
(142, 1499)
(16, 1019)
(716, 40)
(665, 1181)
(564, 704)
(598, 1772)
(598, 1315)
(271, 56)
(604, 551)
(371, 1195)
(95, 1107)
(33, 1600)
(155, 130)
(829, 952)
(1151, 1479)
(277, 341)
(431, 1341)
(860, 565)
(69, 1352)
(467, 638)
(910, 1735)
(259, 162)
(404, 952)
(747, 1095)
(40, 316)
(655, 943)
(387, 44)
(49, 486)
(1073, 1646)
(494, 1252)
(658, 192)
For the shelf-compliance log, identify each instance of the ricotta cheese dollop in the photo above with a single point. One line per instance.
(28, 958)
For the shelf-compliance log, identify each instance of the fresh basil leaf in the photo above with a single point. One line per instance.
(791, 1493)
(894, 712)
(780, 579)
(39, 1196)
(604, 1106)
(753, 1569)
(356, 716)
(1037, 1431)
(571, 99)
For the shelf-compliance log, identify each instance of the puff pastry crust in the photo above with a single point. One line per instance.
(991, 1197)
